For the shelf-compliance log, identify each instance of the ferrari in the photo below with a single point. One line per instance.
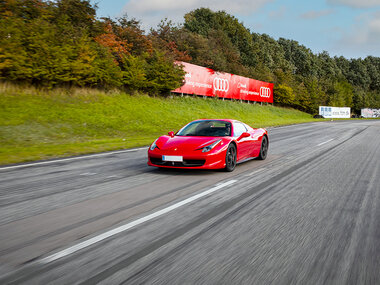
(209, 144)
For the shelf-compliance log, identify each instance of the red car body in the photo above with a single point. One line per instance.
(189, 151)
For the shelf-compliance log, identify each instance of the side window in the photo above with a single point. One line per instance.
(248, 128)
(239, 129)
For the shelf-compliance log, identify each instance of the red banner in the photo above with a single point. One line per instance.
(207, 82)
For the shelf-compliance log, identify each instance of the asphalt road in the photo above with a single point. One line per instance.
(309, 214)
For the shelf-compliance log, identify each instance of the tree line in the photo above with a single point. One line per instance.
(63, 43)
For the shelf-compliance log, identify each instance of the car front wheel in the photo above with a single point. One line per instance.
(230, 158)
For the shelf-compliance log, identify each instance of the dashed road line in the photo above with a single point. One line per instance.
(322, 143)
(87, 174)
(131, 225)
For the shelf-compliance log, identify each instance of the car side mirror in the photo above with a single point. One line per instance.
(171, 134)
(244, 135)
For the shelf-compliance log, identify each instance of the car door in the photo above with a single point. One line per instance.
(255, 145)
(243, 143)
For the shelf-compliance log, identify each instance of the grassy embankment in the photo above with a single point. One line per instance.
(37, 124)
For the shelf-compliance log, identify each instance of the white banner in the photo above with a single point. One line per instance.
(370, 113)
(335, 112)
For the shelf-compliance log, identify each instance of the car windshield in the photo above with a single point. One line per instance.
(206, 128)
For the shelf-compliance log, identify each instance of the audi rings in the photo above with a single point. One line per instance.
(221, 84)
(265, 92)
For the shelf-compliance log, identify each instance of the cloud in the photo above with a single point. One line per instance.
(152, 11)
(316, 14)
(363, 36)
(373, 36)
(280, 13)
(356, 3)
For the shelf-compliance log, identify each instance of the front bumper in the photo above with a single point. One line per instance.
(213, 160)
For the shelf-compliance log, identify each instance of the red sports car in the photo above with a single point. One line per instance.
(209, 144)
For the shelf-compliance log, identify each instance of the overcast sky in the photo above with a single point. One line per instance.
(342, 27)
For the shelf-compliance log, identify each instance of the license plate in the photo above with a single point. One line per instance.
(175, 158)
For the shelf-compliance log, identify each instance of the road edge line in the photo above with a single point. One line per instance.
(71, 158)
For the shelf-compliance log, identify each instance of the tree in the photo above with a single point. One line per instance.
(164, 39)
(118, 47)
(162, 75)
(131, 32)
(134, 72)
(80, 13)
(284, 95)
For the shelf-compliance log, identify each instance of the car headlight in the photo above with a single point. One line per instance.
(211, 146)
(153, 146)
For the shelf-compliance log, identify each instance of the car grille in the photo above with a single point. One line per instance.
(185, 163)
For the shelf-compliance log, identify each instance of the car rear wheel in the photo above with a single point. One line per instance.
(230, 158)
(264, 148)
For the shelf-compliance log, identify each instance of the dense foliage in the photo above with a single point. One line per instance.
(62, 43)
(52, 43)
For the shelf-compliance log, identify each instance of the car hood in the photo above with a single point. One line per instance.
(186, 143)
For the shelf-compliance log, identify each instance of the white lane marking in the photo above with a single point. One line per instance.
(256, 171)
(88, 174)
(322, 143)
(72, 158)
(130, 225)
(113, 176)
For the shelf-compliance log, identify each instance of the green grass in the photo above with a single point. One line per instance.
(37, 124)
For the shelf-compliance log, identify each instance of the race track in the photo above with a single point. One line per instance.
(309, 214)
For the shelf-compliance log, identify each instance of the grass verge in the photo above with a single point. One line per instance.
(41, 124)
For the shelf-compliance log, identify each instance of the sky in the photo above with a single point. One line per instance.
(349, 28)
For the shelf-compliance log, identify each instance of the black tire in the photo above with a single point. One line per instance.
(230, 158)
(264, 148)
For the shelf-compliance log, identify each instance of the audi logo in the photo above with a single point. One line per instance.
(220, 84)
(265, 92)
